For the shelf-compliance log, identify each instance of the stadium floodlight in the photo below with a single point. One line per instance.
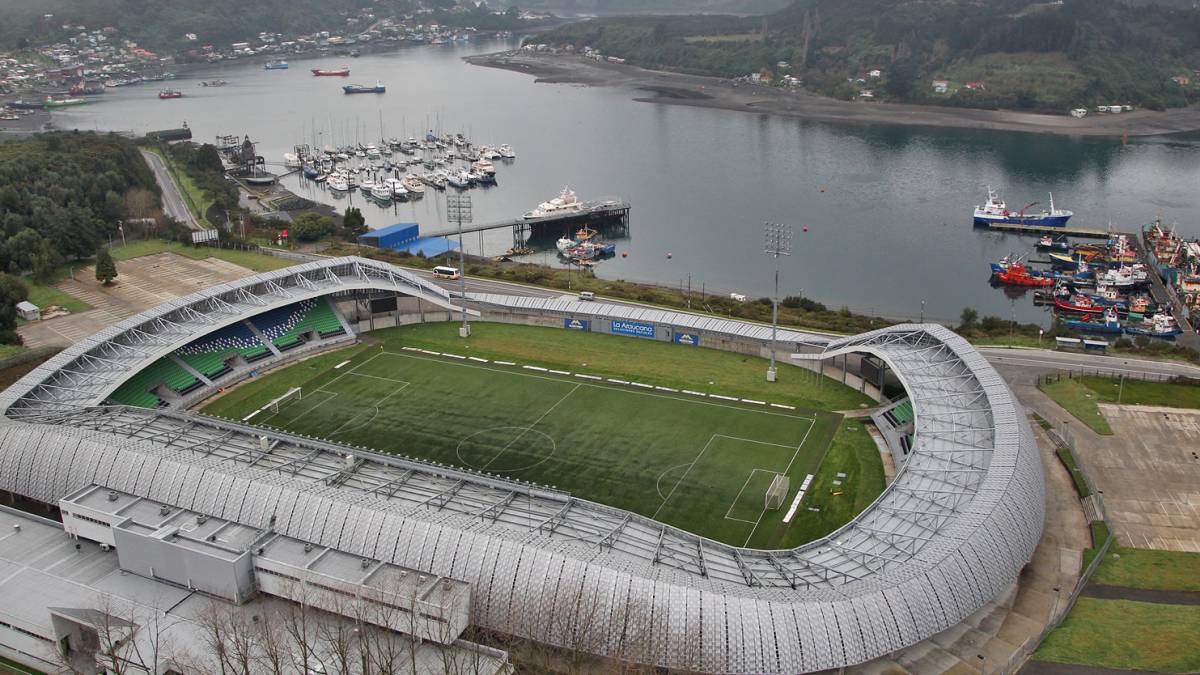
(778, 241)
(458, 208)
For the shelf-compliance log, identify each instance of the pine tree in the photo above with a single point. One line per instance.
(106, 269)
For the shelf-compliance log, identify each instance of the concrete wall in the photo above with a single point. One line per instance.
(155, 556)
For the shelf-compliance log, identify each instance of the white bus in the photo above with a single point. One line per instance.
(442, 272)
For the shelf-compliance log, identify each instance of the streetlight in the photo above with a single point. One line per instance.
(458, 209)
(778, 241)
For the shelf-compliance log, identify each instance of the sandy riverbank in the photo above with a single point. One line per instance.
(711, 92)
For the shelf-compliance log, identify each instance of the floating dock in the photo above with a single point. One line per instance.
(608, 211)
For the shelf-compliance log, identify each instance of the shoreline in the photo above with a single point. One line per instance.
(711, 92)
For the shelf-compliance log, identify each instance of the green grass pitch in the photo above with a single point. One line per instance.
(700, 464)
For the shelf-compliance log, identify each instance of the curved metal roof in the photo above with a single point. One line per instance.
(952, 531)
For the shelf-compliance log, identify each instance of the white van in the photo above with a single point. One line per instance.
(587, 296)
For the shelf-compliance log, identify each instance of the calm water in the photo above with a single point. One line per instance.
(890, 228)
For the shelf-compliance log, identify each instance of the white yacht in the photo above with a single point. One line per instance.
(382, 192)
(291, 160)
(459, 180)
(564, 203)
(506, 151)
(484, 166)
(565, 243)
(338, 181)
(396, 186)
(413, 184)
(367, 184)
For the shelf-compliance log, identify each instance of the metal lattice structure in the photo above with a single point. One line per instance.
(951, 532)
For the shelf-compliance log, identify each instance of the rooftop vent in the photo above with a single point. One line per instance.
(112, 495)
(201, 519)
(365, 562)
(164, 510)
(307, 548)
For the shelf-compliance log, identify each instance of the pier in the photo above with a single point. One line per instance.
(608, 212)
(1068, 230)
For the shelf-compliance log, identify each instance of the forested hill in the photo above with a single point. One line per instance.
(1013, 53)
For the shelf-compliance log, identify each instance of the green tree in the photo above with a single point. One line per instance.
(967, 320)
(353, 223)
(12, 291)
(106, 269)
(310, 226)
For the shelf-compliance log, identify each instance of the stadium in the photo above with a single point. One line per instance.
(479, 504)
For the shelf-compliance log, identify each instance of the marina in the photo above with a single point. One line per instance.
(879, 198)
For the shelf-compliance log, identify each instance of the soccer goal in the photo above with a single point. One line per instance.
(776, 493)
(293, 394)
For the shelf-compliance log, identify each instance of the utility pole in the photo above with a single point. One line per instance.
(778, 241)
(458, 208)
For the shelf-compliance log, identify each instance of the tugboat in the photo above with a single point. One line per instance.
(995, 212)
(170, 93)
(336, 72)
(360, 89)
(1014, 273)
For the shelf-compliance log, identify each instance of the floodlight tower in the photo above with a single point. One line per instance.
(778, 242)
(458, 208)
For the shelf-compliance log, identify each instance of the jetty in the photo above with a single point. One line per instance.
(1068, 230)
(608, 212)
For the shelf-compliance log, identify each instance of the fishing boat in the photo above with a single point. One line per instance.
(1079, 304)
(506, 152)
(1019, 275)
(996, 212)
(585, 233)
(459, 179)
(367, 185)
(65, 102)
(276, 65)
(361, 89)
(333, 72)
(565, 243)
(1124, 276)
(1108, 323)
(590, 251)
(26, 105)
(1159, 326)
(565, 203)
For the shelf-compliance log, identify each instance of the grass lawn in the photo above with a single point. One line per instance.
(1140, 392)
(9, 350)
(1080, 401)
(700, 464)
(1126, 634)
(1142, 568)
(197, 203)
(248, 259)
(44, 296)
(1068, 460)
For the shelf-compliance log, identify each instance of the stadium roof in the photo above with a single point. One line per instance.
(952, 531)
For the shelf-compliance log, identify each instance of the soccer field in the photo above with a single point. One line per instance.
(699, 464)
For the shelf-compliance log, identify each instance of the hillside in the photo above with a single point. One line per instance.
(1016, 54)
(163, 23)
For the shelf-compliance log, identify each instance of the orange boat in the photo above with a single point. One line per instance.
(1016, 275)
(338, 72)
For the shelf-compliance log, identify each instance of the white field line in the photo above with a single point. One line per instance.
(247, 417)
(537, 368)
(685, 473)
(476, 358)
(804, 440)
(373, 415)
(526, 429)
(739, 494)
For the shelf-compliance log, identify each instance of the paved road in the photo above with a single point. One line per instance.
(172, 200)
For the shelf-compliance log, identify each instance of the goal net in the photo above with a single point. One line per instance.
(293, 394)
(776, 493)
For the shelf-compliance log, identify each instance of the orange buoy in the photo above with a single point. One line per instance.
(822, 189)
(624, 254)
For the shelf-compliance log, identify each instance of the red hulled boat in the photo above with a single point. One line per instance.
(170, 93)
(1079, 304)
(336, 72)
(1015, 274)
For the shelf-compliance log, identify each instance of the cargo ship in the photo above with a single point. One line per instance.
(336, 72)
(996, 212)
(360, 89)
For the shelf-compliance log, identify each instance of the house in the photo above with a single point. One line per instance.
(875, 74)
(1181, 80)
(866, 95)
(941, 86)
(1079, 113)
(765, 75)
(28, 311)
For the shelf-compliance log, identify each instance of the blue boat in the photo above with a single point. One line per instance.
(360, 89)
(1110, 324)
(276, 65)
(995, 212)
(311, 171)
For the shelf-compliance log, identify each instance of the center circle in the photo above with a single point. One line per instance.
(505, 449)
